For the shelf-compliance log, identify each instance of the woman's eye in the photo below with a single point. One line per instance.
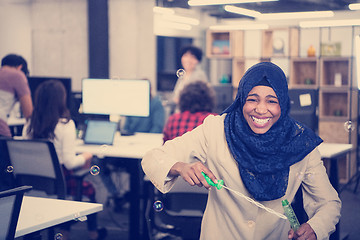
(273, 101)
(251, 100)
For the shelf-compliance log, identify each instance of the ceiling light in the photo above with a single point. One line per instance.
(354, 6)
(181, 19)
(296, 15)
(244, 26)
(330, 23)
(174, 25)
(222, 2)
(277, 16)
(242, 11)
(163, 10)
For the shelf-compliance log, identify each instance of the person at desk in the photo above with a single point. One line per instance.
(51, 120)
(197, 101)
(154, 123)
(190, 60)
(259, 151)
(13, 87)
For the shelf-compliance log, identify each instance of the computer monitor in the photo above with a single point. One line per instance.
(122, 97)
(224, 97)
(304, 104)
(34, 82)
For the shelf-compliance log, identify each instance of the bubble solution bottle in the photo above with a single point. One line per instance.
(290, 214)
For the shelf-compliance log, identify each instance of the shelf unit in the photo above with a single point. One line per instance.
(304, 73)
(338, 109)
(224, 44)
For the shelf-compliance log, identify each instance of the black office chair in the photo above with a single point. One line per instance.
(35, 163)
(10, 206)
(176, 213)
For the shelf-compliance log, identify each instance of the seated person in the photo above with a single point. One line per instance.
(154, 123)
(51, 120)
(197, 101)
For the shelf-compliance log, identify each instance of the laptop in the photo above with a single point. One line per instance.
(10, 206)
(100, 132)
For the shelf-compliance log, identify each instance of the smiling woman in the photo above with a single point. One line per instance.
(261, 109)
(258, 150)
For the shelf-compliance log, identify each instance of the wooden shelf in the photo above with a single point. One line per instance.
(280, 42)
(335, 71)
(224, 44)
(304, 73)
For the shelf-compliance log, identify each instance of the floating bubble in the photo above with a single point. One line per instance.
(58, 236)
(94, 170)
(348, 126)
(180, 73)
(10, 169)
(158, 206)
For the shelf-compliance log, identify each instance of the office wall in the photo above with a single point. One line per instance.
(15, 28)
(53, 36)
(131, 39)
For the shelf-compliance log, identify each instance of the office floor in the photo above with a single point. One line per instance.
(117, 223)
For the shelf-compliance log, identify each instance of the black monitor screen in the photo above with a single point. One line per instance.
(304, 106)
(34, 82)
(224, 97)
(116, 96)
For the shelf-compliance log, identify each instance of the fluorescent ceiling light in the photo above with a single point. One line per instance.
(222, 2)
(330, 23)
(174, 25)
(277, 16)
(296, 15)
(163, 10)
(244, 26)
(181, 19)
(354, 6)
(242, 11)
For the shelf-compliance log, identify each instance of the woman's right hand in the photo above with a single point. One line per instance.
(191, 173)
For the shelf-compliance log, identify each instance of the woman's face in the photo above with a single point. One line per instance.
(261, 109)
(189, 62)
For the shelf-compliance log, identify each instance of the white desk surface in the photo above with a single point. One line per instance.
(333, 150)
(16, 121)
(134, 146)
(137, 145)
(40, 213)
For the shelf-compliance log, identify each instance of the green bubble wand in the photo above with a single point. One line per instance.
(220, 184)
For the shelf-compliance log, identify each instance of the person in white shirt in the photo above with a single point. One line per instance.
(51, 120)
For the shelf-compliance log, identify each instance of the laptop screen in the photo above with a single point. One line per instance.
(100, 132)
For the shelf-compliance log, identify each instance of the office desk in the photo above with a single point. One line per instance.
(332, 152)
(130, 150)
(16, 125)
(41, 213)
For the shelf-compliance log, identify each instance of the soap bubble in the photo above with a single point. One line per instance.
(94, 170)
(180, 73)
(58, 236)
(158, 206)
(348, 126)
(10, 169)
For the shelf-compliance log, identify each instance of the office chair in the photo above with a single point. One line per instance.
(35, 163)
(180, 212)
(10, 206)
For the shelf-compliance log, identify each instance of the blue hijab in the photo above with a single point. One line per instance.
(264, 160)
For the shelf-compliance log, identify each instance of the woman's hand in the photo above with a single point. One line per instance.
(304, 232)
(191, 173)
